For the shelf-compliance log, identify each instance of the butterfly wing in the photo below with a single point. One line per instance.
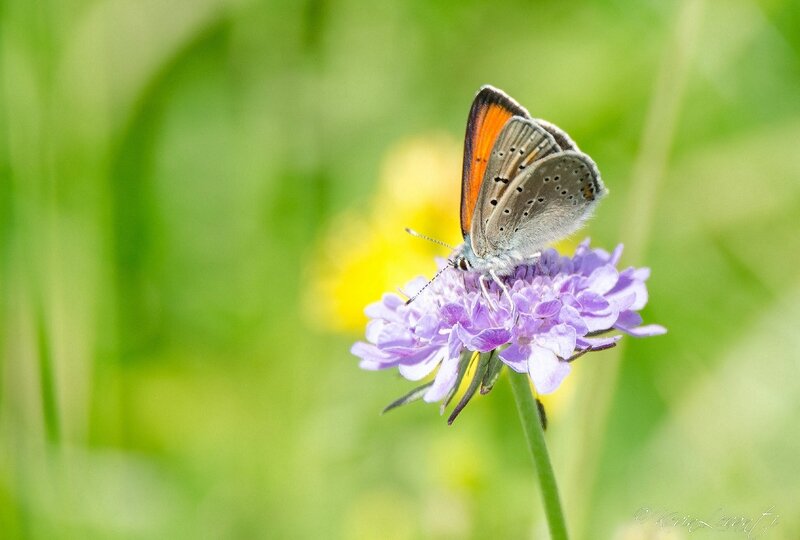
(490, 110)
(545, 203)
(518, 146)
(561, 137)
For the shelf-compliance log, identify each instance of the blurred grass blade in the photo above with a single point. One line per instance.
(648, 175)
(47, 384)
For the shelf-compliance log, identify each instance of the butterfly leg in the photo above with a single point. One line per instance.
(535, 258)
(485, 291)
(507, 294)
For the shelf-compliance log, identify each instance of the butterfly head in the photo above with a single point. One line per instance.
(460, 262)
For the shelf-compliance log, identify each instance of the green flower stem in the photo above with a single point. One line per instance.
(531, 425)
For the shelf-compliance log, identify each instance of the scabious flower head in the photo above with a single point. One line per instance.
(561, 308)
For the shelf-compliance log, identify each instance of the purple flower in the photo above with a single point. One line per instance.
(561, 305)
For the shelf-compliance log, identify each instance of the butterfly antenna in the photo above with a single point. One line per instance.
(412, 232)
(439, 273)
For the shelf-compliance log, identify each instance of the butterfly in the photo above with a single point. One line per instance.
(524, 185)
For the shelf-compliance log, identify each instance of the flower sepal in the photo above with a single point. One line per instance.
(493, 371)
(488, 368)
(415, 395)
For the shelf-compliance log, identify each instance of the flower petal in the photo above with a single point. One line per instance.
(417, 370)
(615, 255)
(547, 309)
(394, 335)
(374, 329)
(485, 340)
(597, 342)
(516, 357)
(628, 319)
(448, 372)
(598, 323)
(645, 331)
(560, 339)
(453, 313)
(545, 370)
(427, 326)
(603, 279)
(591, 301)
(372, 357)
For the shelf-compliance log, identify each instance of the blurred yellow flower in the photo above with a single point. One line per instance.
(363, 256)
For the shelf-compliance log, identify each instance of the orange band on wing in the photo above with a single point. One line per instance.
(491, 109)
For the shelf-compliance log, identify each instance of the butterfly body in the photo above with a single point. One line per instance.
(525, 184)
(502, 263)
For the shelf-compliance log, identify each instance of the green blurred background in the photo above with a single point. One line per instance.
(168, 170)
